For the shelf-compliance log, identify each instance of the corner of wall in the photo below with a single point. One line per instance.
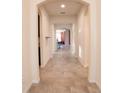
(98, 84)
(27, 88)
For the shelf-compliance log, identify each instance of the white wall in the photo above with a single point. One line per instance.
(26, 64)
(98, 53)
(75, 29)
(46, 43)
(80, 19)
(66, 38)
(54, 46)
(86, 37)
(95, 61)
(34, 42)
(89, 40)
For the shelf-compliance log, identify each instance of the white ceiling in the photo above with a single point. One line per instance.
(62, 26)
(53, 8)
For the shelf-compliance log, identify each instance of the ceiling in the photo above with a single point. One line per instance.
(62, 26)
(54, 8)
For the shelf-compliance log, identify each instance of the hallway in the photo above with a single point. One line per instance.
(53, 25)
(64, 74)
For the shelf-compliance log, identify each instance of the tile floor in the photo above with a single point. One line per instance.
(64, 74)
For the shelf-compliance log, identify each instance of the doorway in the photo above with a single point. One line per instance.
(63, 38)
(39, 54)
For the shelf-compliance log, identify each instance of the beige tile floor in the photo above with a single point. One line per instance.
(64, 74)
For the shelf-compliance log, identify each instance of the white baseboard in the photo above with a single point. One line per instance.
(91, 80)
(85, 65)
(42, 66)
(36, 81)
(27, 88)
(98, 84)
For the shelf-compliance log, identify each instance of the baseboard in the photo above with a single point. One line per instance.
(99, 85)
(42, 66)
(76, 56)
(36, 81)
(85, 65)
(79, 59)
(28, 87)
(91, 80)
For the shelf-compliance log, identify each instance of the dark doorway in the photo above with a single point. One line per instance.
(39, 54)
(69, 38)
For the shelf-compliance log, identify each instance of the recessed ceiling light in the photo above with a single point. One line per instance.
(62, 6)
